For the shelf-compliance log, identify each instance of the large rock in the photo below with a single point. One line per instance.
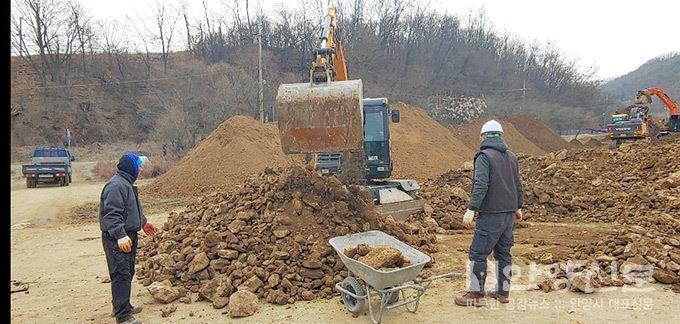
(584, 281)
(218, 287)
(277, 297)
(227, 254)
(198, 263)
(252, 284)
(242, 303)
(163, 291)
(311, 273)
(664, 276)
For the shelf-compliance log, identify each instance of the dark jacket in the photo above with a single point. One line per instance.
(497, 184)
(119, 208)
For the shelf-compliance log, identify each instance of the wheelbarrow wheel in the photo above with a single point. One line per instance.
(353, 305)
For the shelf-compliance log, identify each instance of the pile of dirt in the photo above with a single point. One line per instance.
(378, 257)
(270, 237)
(576, 144)
(469, 135)
(447, 198)
(636, 188)
(632, 256)
(422, 148)
(239, 148)
(638, 184)
(537, 132)
(593, 142)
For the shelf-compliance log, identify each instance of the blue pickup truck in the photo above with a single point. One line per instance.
(49, 165)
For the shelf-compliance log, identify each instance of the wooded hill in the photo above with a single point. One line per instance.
(105, 87)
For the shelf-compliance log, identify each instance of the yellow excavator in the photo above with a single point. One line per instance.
(328, 116)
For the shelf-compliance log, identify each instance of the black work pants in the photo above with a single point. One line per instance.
(121, 271)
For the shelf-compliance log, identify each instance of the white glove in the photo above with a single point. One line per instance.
(518, 216)
(125, 244)
(467, 218)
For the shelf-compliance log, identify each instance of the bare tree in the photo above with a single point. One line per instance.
(113, 43)
(166, 20)
(185, 15)
(45, 28)
(81, 21)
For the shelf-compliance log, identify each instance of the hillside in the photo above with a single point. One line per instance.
(115, 92)
(662, 71)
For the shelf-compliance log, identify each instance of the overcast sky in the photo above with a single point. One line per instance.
(616, 36)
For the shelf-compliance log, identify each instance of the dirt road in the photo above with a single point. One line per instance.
(64, 265)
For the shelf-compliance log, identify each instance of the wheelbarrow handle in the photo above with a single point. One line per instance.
(437, 277)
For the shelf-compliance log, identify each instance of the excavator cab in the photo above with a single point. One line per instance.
(377, 138)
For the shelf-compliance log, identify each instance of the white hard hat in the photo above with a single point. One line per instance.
(491, 126)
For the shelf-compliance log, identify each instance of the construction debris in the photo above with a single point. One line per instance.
(269, 238)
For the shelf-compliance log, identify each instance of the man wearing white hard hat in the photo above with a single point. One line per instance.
(496, 200)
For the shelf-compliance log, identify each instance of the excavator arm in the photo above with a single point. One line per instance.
(644, 97)
(329, 58)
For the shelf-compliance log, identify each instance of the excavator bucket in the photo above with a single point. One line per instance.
(325, 117)
(643, 99)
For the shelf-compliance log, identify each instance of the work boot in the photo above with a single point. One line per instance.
(135, 310)
(471, 298)
(130, 320)
(501, 298)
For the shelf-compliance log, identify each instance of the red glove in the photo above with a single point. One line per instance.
(149, 229)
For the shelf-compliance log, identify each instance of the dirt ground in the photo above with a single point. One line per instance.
(64, 264)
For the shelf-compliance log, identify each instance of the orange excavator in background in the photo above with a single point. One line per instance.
(645, 97)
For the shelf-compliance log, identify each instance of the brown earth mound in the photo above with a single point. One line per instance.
(469, 135)
(593, 142)
(576, 144)
(422, 148)
(239, 148)
(270, 237)
(537, 132)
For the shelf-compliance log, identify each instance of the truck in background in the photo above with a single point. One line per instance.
(49, 165)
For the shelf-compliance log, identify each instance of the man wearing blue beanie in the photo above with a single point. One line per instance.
(120, 218)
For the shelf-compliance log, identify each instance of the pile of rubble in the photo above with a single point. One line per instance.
(270, 238)
(638, 184)
(633, 256)
(636, 187)
(447, 198)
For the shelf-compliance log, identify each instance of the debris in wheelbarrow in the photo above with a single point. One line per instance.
(391, 284)
(379, 257)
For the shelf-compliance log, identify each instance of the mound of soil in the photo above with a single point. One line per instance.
(537, 132)
(422, 148)
(270, 237)
(239, 148)
(469, 135)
